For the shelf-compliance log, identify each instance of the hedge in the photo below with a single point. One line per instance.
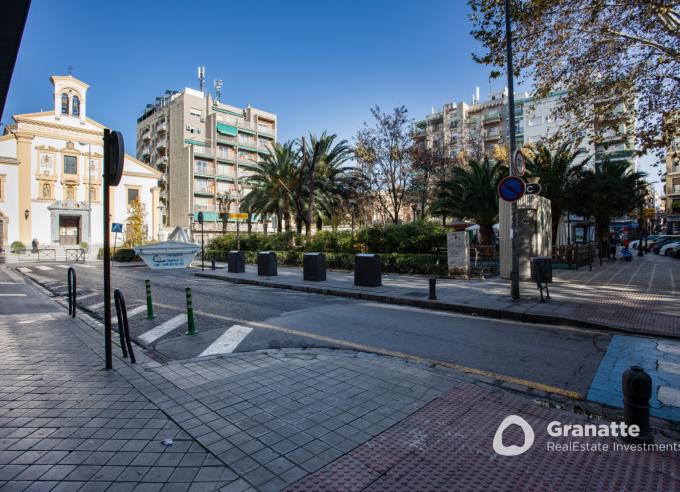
(390, 262)
(121, 254)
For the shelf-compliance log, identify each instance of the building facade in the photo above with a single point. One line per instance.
(51, 176)
(206, 150)
(673, 188)
(478, 128)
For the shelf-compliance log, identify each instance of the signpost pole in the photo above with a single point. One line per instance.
(107, 253)
(514, 273)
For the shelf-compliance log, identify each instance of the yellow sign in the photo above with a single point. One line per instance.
(238, 216)
(649, 212)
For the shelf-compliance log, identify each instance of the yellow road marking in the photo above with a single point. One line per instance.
(414, 358)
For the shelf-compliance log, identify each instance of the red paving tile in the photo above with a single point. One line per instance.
(447, 445)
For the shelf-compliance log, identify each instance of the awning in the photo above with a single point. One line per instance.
(226, 129)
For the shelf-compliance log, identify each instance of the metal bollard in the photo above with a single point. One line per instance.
(149, 303)
(212, 264)
(637, 390)
(433, 289)
(190, 314)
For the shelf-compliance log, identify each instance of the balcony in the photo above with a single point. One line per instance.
(492, 117)
(226, 156)
(146, 135)
(162, 127)
(162, 144)
(224, 139)
(265, 130)
(263, 147)
(200, 150)
(674, 189)
(248, 144)
(145, 151)
(248, 164)
(204, 170)
(492, 135)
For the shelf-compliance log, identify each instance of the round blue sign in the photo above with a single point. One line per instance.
(511, 188)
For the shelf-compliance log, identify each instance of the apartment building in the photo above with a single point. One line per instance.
(673, 188)
(475, 129)
(206, 150)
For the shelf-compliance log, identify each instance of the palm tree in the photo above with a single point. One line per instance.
(471, 194)
(608, 190)
(271, 184)
(558, 174)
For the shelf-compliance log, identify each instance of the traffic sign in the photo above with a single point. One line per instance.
(511, 188)
(533, 188)
(238, 216)
(519, 163)
(116, 227)
(200, 217)
(649, 213)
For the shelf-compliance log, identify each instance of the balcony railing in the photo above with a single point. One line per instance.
(146, 150)
(162, 143)
(674, 190)
(248, 143)
(493, 116)
(208, 171)
(203, 151)
(491, 135)
(263, 147)
(146, 135)
(265, 130)
(162, 127)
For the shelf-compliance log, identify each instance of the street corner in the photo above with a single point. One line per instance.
(660, 358)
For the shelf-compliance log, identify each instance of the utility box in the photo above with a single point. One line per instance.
(367, 270)
(236, 262)
(541, 269)
(314, 267)
(266, 264)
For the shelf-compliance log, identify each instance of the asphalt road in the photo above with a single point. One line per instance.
(232, 317)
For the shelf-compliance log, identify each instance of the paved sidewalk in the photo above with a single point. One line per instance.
(639, 297)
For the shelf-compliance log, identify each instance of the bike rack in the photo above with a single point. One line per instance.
(123, 327)
(71, 292)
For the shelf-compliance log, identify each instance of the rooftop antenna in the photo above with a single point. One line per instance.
(201, 77)
(69, 69)
(218, 90)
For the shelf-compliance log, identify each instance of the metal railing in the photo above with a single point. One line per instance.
(574, 255)
(44, 254)
(75, 254)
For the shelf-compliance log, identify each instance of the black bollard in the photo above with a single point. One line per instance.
(212, 264)
(433, 289)
(637, 390)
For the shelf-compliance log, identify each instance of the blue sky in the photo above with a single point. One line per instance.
(319, 65)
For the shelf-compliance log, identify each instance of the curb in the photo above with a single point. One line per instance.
(534, 318)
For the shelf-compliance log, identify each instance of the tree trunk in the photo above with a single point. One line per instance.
(485, 234)
(279, 223)
(298, 225)
(443, 220)
(319, 224)
(308, 230)
(286, 218)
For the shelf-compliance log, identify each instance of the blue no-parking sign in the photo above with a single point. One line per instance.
(511, 188)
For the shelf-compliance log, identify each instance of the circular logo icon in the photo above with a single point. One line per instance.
(513, 450)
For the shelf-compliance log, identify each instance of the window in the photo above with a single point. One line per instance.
(75, 109)
(195, 112)
(64, 104)
(132, 195)
(535, 121)
(70, 193)
(94, 168)
(70, 164)
(202, 167)
(46, 167)
(93, 194)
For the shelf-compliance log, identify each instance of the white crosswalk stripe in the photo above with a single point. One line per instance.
(92, 307)
(87, 296)
(131, 312)
(12, 295)
(83, 265)
(62, 266)
(163, 329)
(24, 270)
(228, 341)
(43, 267)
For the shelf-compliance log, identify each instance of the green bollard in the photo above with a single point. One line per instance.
(149, 304)
(190, 314)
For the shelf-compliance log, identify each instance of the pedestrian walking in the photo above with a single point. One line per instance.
(613, 242)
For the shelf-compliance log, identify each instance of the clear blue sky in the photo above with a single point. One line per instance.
(319, 65)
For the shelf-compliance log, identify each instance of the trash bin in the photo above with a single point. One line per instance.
(314, 266)
(266, 264)
(236, 262)
(541, 269)
(367, 270)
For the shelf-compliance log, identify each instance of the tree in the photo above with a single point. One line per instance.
(134, 228)
(607, 190)
(559, 176)
(471, 194)
(601, 52)
(430, 166)
(271, 184)
(383, 153)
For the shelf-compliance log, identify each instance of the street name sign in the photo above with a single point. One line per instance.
(511, 188)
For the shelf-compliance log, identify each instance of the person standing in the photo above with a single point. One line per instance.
(613, 242)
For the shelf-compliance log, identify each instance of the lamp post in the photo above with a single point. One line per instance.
(514, 273)
(236, 197)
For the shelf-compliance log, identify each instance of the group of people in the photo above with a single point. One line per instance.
(614, 242)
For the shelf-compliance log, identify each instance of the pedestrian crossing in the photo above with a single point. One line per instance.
(227, 342)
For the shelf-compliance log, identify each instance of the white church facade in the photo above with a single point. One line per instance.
(51, 176)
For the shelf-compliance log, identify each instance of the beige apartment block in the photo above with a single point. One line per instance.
(206, 150)
(673, 187)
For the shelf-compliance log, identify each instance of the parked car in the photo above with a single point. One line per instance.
(651, 244)
(658, 245)
(650, 239)
(669, 248)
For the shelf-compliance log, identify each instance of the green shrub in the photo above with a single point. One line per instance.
(17, 246)
(415, 238)
(125, 254)
(84, 245)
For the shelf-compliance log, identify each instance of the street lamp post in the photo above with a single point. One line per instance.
(514, 274)
(236, 196)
